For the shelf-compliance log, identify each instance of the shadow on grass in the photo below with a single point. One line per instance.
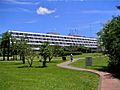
(41, 66)
(54, 62)
(117, 76)
(18, 63)
(106, 69)
(32, 66)
(23, 67)
(101, 68)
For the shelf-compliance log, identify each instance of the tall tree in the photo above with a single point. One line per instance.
(30, 55)
(14, 47)
(44, 52)
(0, 45)
(110, 38)
(5, 44)
(22, 45)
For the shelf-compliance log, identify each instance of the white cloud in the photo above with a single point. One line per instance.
(43, 11)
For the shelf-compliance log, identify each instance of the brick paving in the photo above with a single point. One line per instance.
(107, 81)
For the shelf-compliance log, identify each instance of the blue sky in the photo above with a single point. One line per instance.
(83, 17)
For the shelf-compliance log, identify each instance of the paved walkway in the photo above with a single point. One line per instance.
(107, 82)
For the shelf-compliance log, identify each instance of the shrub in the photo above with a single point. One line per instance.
(110, 41)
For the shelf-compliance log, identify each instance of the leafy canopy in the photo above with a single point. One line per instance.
(110, 38)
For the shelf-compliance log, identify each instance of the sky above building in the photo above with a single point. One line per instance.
(82, 17)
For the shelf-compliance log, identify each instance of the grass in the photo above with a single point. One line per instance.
(99, 61)
(16, 76)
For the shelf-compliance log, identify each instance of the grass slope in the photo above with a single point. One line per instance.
(16, 76)
(99, 61)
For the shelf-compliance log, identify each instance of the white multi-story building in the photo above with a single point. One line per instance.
(35, 39)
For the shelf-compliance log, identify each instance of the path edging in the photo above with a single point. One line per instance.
(62, 65)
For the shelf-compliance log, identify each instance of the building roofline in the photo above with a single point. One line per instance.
(51, 34)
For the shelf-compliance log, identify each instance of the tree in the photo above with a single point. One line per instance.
(77, 49)
(118, 7)
(0, 46)
(110, 40)
(71, 48)
(14, 47)
(44, 52)
(51, 52)
(5, 44)
(22, 46)
(30, 55)
(54, 51)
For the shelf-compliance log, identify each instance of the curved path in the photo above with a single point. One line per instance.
(107, 82)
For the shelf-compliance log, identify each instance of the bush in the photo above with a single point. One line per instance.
(63, 58)
(110, 42)
(73, 53)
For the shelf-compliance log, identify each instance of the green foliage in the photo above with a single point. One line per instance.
(5, 44)
(22, 48)
(77, 49)
(14, 47)
(71, 48)
(118, 7)
(73, 53)
(29, 56)
(0, 45)
(84, 49)
(110, 38)
(44, 52)
(49, 51)
(54, 51)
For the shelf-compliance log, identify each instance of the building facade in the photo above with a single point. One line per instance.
(35, 39)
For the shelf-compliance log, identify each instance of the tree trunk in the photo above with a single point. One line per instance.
(50, 58)
(8, 51)
(23, 59)
(20, 57)
(3, 53)
(8, 54)
(31, 63)
(13, 57)
(16, 57)
(44, 62)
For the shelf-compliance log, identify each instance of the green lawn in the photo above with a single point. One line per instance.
(99, 61)
(16, 76)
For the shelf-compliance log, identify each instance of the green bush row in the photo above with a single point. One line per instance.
(74, 53)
